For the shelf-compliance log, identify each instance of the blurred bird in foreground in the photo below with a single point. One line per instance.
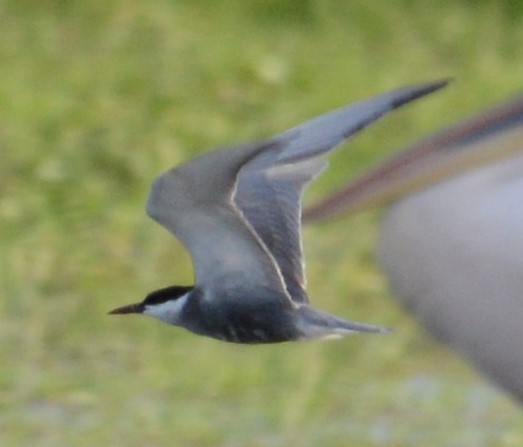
(451, 240)
(238, 212)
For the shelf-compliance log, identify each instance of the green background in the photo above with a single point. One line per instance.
(97, 97)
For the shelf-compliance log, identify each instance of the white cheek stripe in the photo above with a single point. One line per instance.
(169, 312)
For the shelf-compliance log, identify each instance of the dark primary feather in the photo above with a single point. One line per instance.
(270, 186)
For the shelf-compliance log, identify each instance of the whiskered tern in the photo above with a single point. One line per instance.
(238, 212)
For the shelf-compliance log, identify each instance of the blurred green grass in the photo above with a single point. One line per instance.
(96, 98)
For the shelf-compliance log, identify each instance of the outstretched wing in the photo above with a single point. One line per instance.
(271, 184)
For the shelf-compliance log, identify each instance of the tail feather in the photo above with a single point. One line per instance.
(314, 323)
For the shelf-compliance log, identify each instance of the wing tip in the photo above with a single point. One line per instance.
(414, 92)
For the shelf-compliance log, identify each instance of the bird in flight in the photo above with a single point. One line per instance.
(238, 212)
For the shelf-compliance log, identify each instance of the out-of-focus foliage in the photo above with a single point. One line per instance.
(98, 97)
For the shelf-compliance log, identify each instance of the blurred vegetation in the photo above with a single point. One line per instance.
(98, 97)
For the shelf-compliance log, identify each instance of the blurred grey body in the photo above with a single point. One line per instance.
(454, 257)
(451, 241)
(238, 212)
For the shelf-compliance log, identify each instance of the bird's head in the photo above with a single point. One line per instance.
(164, 304)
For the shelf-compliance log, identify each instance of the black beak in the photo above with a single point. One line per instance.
(129, 309)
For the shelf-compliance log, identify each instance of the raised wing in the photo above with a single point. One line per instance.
(271, 184)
